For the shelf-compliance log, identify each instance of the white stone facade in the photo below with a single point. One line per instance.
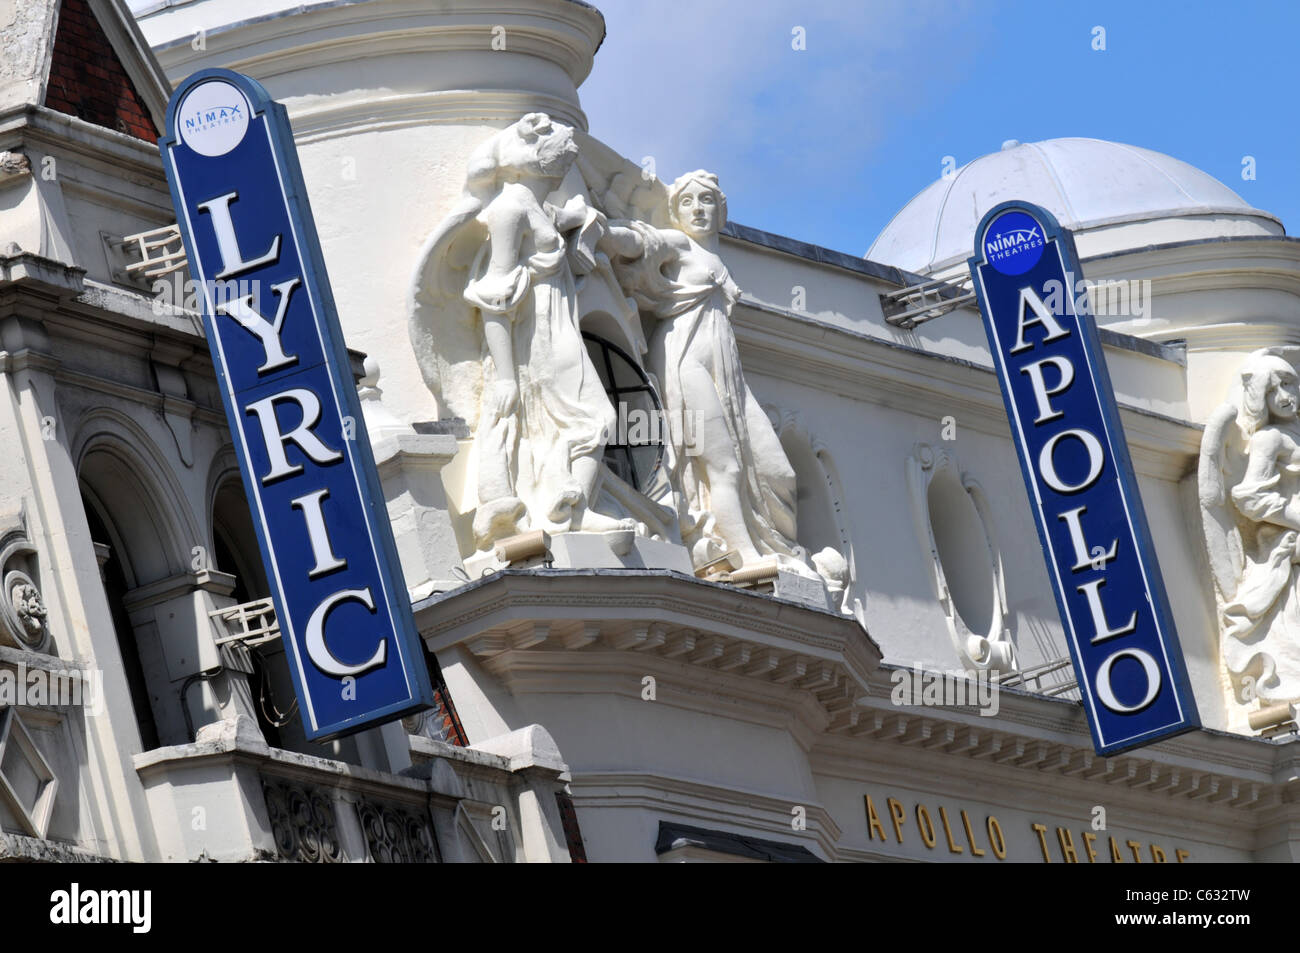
(702, 646)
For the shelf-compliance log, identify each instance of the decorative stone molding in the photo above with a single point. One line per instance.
(1023, 738)
(528, 627)
(264, 803)
(966, 562)
(13, 165)
(395, 835)
(496, 52)
(302, 823)
(816, 472)
(24, 618)
(28, 784)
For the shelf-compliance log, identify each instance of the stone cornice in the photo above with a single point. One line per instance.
(230, 749)
(743, 656)
(114, 153)
(1046, 740)
(649, 609)
(893, 375)
(54, 278)
(318, 35)
(332, 119)
(778, 662)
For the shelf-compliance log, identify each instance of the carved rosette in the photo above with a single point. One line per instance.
(26, 621)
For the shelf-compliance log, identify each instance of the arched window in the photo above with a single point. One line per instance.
(635, 451)
(145, 534)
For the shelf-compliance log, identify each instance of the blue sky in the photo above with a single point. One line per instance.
(826, 144)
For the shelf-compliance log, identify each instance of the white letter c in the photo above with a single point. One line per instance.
(319, 652)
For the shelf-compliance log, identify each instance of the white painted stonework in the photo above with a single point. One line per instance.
(696, 642)
(1250, 456)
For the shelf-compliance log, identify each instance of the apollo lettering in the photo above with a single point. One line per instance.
(303, 406)
(1036, 330)
(1082, 488)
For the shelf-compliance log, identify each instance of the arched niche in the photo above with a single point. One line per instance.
(954, 527)
(820, 518)
(145, 535)
(131, 482)
(135, 547)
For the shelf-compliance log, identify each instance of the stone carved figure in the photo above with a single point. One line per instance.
(737, 486)
(1249, 481)
(30, 610)
(24, 618)
(513, 363)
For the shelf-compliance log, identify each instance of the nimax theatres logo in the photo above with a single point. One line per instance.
(202, 121)
(213, 118)
(1014, 243)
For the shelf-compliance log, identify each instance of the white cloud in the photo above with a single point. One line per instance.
(716, 83)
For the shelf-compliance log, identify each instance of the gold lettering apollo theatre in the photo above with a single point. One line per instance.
(973, 835)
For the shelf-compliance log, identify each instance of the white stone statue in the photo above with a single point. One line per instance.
(513, 363)
(1249, 480)
(737, 485)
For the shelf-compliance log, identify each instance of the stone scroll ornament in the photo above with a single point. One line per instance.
(494, 325)
(737, 485)
(1249, 483)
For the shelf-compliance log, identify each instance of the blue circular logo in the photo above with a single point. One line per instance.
(1013, 243)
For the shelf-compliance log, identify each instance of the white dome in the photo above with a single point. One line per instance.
(1114, 196)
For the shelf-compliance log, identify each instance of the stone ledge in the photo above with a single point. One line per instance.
(18, 848)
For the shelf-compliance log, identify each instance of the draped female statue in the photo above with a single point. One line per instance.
(513, 363)
(738, 488)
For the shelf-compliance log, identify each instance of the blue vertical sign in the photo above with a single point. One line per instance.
(344, 613)
(1076, 466)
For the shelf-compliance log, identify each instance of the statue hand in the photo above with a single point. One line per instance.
(502, 399)
(573, 214)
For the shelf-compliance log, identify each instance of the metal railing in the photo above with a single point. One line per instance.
(1035, 674)
(161, 251)
(909, 307)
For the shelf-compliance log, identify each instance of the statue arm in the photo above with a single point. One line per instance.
(1256, 495)
(629, 238)
(622, 242)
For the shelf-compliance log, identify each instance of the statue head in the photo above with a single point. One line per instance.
(29, 607)
(697, 206)
(1269, 391)
(533, 147)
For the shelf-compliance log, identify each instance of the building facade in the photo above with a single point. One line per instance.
(716, 539)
